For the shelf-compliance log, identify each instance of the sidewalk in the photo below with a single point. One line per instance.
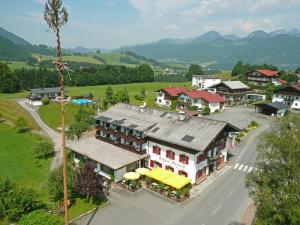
(249, 214)
(198, 189)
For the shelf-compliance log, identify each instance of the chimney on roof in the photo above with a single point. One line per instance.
(182, 115)
(143, 107)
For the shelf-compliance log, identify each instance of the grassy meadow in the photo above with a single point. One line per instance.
(11, 110)
(18, 162)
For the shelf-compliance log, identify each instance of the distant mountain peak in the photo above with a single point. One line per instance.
(259, 34)
(208, 37)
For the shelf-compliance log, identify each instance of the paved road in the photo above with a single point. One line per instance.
(55, 137)
(221, 203)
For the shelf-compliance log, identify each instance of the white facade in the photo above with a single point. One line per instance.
(160, 100)
(191, 168)
(293, 100)
(202, 82)
(200, 103)
(34, 102)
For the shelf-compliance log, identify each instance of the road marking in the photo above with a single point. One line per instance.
(236, 165)
(241, 166)
(217, 209)
(250, 169)
(228, 196)
(245, 168)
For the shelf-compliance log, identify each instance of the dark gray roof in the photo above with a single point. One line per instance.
(274, 105)
(194, 133)
(207, 76)
(46, 90)
(131, 117)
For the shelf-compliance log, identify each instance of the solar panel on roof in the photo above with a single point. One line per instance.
(103, 118)
(187, 138)
(162, 115)
(132, 126)
(155, 129)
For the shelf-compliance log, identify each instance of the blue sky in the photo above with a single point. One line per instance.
(114, 23)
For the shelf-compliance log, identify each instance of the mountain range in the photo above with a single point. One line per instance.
(279, 47)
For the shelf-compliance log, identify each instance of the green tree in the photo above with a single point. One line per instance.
(206, 110)
(55, 183)
(109, 94)
(77, 129)
(275, 185)
(15, 201)
(43, 149)
(84, 115)
(194, 69)
(89, 182)
(173, 105)
(8, 80)
(297, 70)
(40, 217)
(289, 78)
(45, 101)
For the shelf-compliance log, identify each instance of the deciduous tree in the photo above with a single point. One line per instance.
(89, 182)
(275, 185)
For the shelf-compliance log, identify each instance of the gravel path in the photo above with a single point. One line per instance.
(55, 137)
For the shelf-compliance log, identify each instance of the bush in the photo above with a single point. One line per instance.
(43, 149)
(186, 191)
(253, 123)
(238, 139)
(45, 101)
(192, 108)
(16, 201)
(161, 186)
(41, 217)
(22, 126)
(206, 110)
(179, 193)
(138, 98)
(148, 180)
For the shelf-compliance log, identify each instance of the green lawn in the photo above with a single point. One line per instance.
(18, 162)
(11, 110)
(81, 206)
(50, 114)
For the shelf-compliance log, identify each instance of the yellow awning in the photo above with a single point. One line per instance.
(169, 178)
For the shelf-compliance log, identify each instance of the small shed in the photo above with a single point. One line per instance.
(271, 109)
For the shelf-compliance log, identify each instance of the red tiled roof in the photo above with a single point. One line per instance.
(296, 86)
(174, 91)
(204, 95)
(268, 73)
(282, 81)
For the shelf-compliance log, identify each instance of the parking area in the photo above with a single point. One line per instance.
(125, 208)
(239, 116)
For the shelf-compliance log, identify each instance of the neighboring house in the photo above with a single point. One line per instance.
(142, 137)
(233, 91)
(289, 95)
(38, 93)
(201, 99)
(272, 109)
(204, 81)
(264, 77)
(166, 95)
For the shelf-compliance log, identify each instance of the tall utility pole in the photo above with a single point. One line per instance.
(56, 16)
